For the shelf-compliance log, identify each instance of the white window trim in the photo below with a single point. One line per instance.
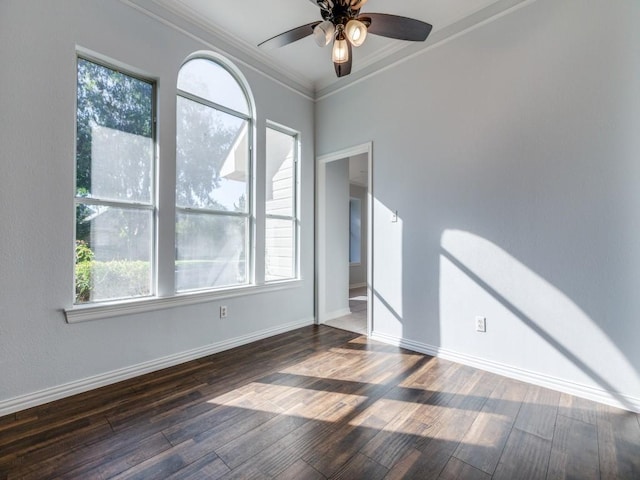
(89, 56)
(98, 311)
(250, 214)
(91, 311)
(295, 217)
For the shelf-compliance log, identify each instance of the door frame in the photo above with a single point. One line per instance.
(321, 276)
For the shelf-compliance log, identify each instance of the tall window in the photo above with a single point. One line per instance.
(213, 178)
(114, 184)
(281, 205)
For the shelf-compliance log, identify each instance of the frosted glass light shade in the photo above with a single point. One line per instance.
(323, 33)
(356, 32)
(340, 52)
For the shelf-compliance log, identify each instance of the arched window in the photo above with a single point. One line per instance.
(213, 177)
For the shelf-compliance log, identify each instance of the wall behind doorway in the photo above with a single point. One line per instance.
(358, 271)
(337, 238)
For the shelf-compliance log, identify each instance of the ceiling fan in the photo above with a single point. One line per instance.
(343, 24)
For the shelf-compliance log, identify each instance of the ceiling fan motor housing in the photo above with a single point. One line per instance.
(346, 27)
(340, 13)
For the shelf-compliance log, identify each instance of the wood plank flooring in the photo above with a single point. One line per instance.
(320, 403)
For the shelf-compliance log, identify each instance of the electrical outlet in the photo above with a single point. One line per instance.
(481, 324)
(223, 311)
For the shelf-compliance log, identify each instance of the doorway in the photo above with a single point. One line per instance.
(344, 243)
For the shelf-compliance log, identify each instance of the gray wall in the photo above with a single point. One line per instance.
(512, 160)
(358, 273)
(337, 238)
(38, 350)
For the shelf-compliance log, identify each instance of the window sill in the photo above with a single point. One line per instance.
(97, 311)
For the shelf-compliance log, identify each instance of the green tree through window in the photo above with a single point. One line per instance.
(114, 183)
(213, 178)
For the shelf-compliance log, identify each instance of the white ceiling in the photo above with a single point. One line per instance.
(249, 22)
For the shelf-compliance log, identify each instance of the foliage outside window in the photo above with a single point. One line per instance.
(213, 178)
(114, 196)
(280, 206)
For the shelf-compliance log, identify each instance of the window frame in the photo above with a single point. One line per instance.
(163, 284)
(249, 215)
(151, 207)
(295, 218)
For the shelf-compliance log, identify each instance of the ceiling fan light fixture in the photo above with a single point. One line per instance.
(323, 33)
(340, 53)
(343, 25)
(356, 32)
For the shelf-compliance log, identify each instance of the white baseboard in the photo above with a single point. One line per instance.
(600, 395)
(47, 395)
(335, 314)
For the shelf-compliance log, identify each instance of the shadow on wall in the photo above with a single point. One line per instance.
(477, 274)
(532, 325)
(389, 289)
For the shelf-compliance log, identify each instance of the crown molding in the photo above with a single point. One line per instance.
(175, 13)
(438, 37)
(178, 8)
(222, 42)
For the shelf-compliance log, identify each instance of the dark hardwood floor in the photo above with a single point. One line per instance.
(320, 403)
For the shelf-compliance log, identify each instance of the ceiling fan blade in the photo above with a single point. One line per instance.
(394, 26)
(289, 36)
(344, 69)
